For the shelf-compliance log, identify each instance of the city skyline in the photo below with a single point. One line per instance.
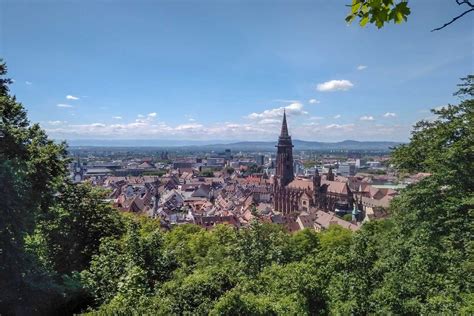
(227, 72)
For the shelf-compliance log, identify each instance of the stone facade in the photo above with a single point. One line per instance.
(292, 195)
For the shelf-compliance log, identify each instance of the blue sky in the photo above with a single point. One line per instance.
(225, 70)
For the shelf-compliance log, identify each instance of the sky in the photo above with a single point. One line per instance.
(225, 70)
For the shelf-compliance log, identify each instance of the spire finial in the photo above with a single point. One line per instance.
(284, 126)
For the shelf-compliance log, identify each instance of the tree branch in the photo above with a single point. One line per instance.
(468, 2)
(452, 21)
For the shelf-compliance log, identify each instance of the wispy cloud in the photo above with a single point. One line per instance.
(145, 119)
(263, 129)
(71, 97)
(286, 101)
(335, 85)
(366, 118)
(117, 117)
(188, 127)
(28, 83)
(337, 116)
(269, 121)
(63, 105)
(346, 127)
(313, 101)
(292, 109)
(390, 114)
(56, 123)
(361, 67)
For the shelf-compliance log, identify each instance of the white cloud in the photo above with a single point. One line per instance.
(142, 119)
(62, 105)
(316, 118)
(149, 129)
(314, 101)
(337, 116)
(286, 101)
(188, 127)
(117, 117)
(335, 85)
(292, 109)
(390, 114)
(367, 118)
(55, 123)
(347, 127)
(269, 121)
(231, 131)
(71, 97)
(28, 83)
(361, 67)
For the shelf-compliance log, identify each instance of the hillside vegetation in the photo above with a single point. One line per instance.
(63, 251)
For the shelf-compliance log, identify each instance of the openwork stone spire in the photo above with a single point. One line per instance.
(284, 160)
(284, 126)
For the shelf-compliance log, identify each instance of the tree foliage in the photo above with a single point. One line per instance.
(44, 236)
(380, 12)
(31, 169)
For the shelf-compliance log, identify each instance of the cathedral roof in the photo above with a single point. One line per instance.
(336, 187)
(302, 184)
(332, 186)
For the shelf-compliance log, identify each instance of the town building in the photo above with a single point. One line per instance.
(291, 195)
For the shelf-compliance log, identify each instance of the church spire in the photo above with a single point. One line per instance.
(284, 126)
(284, 160)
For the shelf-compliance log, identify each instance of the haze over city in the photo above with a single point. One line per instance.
(225, 71)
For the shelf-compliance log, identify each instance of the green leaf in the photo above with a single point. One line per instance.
(364, 21)
(355, 7)
(399, 17)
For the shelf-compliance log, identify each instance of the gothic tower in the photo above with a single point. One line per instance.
(284, 159)
(316, 180)
(330, 175)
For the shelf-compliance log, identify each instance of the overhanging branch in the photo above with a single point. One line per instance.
(453, 20)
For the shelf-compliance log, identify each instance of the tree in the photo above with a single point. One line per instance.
(379, 12)
(261, 245)
(129, 268)
(73, 228)
(445, 145)
(419, 261)
(31, 169)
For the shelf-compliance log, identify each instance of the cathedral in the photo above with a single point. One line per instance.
(291, 195)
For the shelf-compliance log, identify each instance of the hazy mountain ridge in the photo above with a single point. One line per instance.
(240, 145)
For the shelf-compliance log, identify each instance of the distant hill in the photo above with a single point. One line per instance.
(311, 145)
(242, 145)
